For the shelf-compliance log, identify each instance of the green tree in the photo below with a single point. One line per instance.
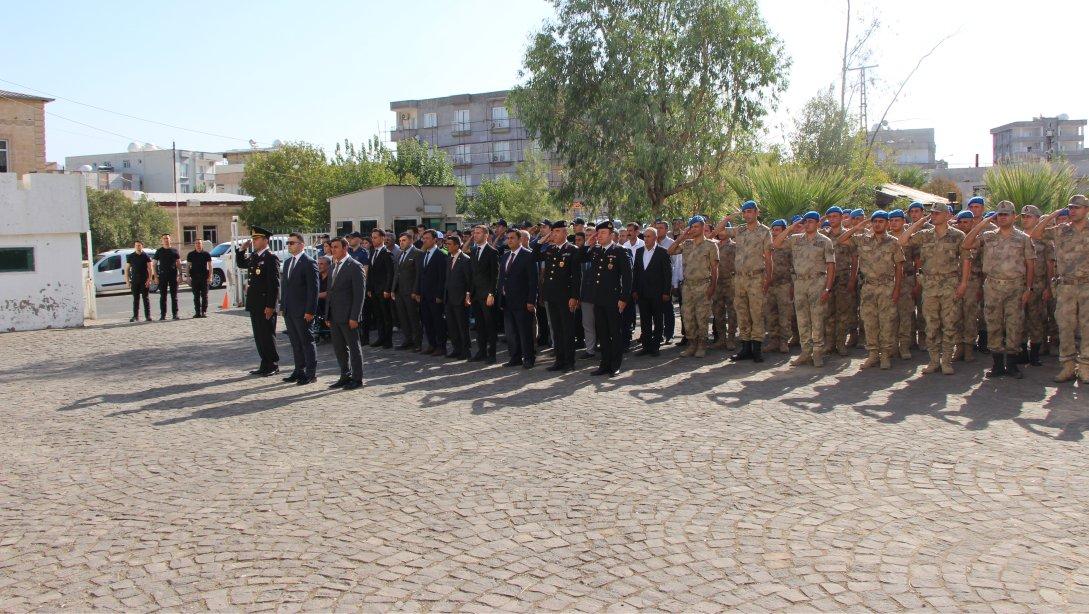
(648, 96)
(911, 176)
(823, 135)
(1048, 186)
(289, 187)
(523, 197)
(784, 190)
(117, 221)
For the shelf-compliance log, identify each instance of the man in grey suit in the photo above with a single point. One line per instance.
(299, 303)
(344, 311)
(405, 277)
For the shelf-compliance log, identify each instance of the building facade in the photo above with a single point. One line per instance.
(909, 147)
(394, 207)
(205, 216)
(156, 168)
(1042, 138)
(483, 140)
(232, 169)
(22, 133)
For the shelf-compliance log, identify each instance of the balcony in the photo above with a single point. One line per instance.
(401, 134)
(501, 157)
(462, 160)
(462, 129)
(499, 126)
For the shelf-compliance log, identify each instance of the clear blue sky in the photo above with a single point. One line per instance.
(323, 71)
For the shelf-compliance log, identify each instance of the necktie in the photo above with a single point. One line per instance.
(427, 258)
(402, 260)
(290, 266)
(453, 261)
(510, 259)
(336, 270)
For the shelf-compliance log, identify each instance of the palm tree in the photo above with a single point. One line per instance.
(1045, 185)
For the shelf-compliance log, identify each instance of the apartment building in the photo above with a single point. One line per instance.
(231, 171)
(1042, 138)
(157, 169)
(908, 147)
(22, 133)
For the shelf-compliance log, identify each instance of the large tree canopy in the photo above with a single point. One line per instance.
(641, 99)
(116, 221)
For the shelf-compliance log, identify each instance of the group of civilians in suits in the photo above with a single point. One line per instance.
(537, 285)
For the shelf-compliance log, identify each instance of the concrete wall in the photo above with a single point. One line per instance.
(46, 213)
(22, 125)
(387, 204)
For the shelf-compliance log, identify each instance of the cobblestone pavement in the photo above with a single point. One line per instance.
(143, 469)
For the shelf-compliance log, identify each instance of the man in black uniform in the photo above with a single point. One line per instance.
(560, 292)
(378, 289)
(200, 269)
(166, 271)
(485, 261)
(610, 290)
(263, 274)
(138, 274)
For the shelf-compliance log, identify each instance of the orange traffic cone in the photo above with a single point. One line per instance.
(226, 302)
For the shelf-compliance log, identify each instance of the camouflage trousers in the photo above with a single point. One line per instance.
(905, 312)
(879, 316)
(779, 313)
(1004, 314)
(811, 312)
(695, 309)
(970, 311)
(749, 304)
(722, 307)
(1036, 316)
(941, 310)
(1072, 315)
(842, 311)
(920, 317)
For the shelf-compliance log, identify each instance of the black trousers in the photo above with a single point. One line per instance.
(434, 322)
(669, 320)
(168, 285)
(139, 290)
(200, 295)
(408, 317)
(562, 322)
(487, 320)
(652, 320)
(457, 326)
(383, 319)
(519, 327)
(303, 349)
(544, 336)
(628, 320)
(349, 353)
(264, 336)
(607, 321)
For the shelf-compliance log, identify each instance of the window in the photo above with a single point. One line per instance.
(430, 120)
(3, 156)
(499, 118)
(461, 155)
(501, 151)
(210, 233)
(110, 263)
(461, 120)
(125, 164)
(432, 222)
(189, 234)
(366, 226)
(343, 228)
(16, 259)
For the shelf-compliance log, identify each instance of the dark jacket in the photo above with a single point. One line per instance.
(655, 280)
(459, 279)
(346, 289)
(381, 272)
(431, 283)
(609, 274)
(263, 277)
(562, 276)
(485, 270)
(299, 290)
(517, 285)
(406, 272)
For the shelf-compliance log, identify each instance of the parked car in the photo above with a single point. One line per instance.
(109, 270)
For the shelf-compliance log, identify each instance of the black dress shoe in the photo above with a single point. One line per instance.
(404, 346)
(453, 355)
(132, 319)
(272, 371)
(476, 357)
(643, 352)
(387, 345)
(555, 367)
(599, 371)
(162, 317)
(340, 383)
(587, 355)
(293, 377)
(567, 368)
(302, 381)
(352, 385)
(612, 373)
(527, 365)
(377, 343)
(512, 363)
(259, 371)
(175, 316)
(490, 359)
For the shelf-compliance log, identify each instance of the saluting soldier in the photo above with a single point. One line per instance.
(779, 309)
(610, 290)
(842, 304)
(814, 260)
(723, 314)
(905, 306)
(881, 267)
(752, 278)
(699, 257)
(969, 308)
(560, 283)
(1036, 310)
(263, 277)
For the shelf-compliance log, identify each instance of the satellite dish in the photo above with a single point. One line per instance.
(277, 143)
(134, 146)
(148, 147)
(1063, 116)
(86, 168)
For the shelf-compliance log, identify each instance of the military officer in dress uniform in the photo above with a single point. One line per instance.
(610, 289)
(263, 275)
(560, 284)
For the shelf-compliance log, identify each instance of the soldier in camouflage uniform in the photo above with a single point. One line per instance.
(814, 259)
(1008, 263)
(916, 212)
(1072, 265)
(905, 306)
(973, 297)
(1036, 310)
(700, 261)
(940, 250)
(752, 277)
(722, 307)
(842, 305)
(881, 266)
(779, 309)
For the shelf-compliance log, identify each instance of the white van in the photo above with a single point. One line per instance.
(109, 270)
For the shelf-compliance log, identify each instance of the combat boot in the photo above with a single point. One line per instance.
(969, 353)
(745, 353)
(886, 361)
(905, 351)
(998, 368)
(1067, 373)
(872, 360)
(755, 347)
(933, 365)
(958, 354)
(690, 348)
(1034, 355)
(818, 359)
(1011, 366)
(946, 365)
(802, 359)
(701, 348)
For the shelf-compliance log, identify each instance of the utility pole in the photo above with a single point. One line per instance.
(177, 202)
(863, 117)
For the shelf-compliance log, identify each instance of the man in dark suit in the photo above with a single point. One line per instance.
(610, 291)
(430, 288)
(458, 298)
(263, 276)
(485, 265)
(406, 273)
(299, 303)
(344, 311)
(560, 283)
(517, 292)
(379, 286)
(650, 288)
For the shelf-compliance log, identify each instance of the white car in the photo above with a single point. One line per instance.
(109, 270)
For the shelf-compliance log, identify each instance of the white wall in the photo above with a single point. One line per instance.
(46, 213)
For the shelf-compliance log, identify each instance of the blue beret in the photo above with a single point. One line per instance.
(879, 215)
(858, 213)
(695, 219)
(833, 209)
(915, 205)
(795, 219)
(965, 215)
(779, 222)
(975, 200)
(989, 214)
(1064, 211)
(811, 215)
(748, 204)
(896, 213)
(826, 224)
